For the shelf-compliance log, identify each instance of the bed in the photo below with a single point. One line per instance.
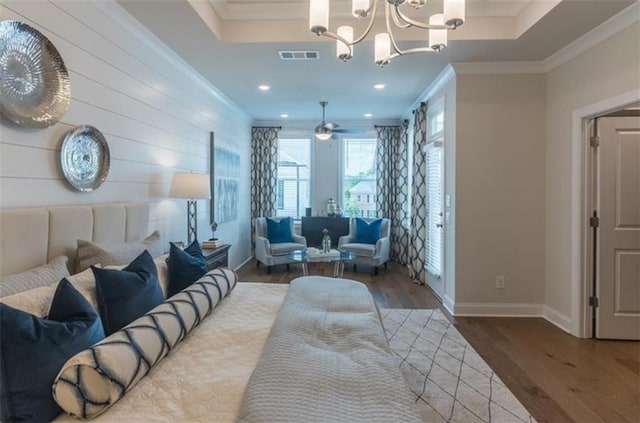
(202, 378)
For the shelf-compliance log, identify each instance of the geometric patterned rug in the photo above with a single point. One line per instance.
(450, 381)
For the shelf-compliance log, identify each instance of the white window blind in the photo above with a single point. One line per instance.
(434, 246)
(293, 187)
(359, 177)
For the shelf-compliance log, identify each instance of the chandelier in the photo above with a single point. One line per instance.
(386, 48)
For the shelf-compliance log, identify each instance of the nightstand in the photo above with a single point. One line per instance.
(217, 257)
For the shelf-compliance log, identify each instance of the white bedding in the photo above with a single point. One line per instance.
(204, 377)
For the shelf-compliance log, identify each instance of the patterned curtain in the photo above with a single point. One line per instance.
(418, 231)
(393, 186)
(264, 166)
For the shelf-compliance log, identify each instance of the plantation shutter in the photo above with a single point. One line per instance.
(434, 255)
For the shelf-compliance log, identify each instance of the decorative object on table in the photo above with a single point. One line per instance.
(85, 158)
(192, 186)
(213, 243)
(331, 207)
(35, 89)
(338, 210)
(214, 228)
(326, 241)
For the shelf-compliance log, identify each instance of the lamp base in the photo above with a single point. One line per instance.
(192, 221)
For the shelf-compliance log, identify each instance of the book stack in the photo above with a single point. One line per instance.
(213, 244)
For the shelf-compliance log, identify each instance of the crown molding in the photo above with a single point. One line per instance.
(128, 23)
(447, 75)
(602, 32)
(497, 68)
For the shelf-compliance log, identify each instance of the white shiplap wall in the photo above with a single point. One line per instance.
(155, 111)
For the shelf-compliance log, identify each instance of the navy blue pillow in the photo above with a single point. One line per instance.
(367, 232)
(124, 295)
(33, 350)
(185, 267)
(279, 231)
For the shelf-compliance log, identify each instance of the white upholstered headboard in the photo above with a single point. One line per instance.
(32, 237)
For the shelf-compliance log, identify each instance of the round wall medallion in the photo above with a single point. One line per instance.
(85, 158)
(34, 83)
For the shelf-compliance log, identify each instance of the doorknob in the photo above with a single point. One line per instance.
(439, 225)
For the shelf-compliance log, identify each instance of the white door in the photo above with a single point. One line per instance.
(618, 234)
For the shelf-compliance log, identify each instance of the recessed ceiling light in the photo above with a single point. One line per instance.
(264, 87)
(284, 115)
(368, 115)
(379, 86)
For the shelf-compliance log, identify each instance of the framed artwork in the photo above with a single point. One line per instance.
(225, 180)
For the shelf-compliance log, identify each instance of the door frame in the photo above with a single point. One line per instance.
(582, 206)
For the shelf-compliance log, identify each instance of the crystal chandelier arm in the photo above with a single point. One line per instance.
(411, 22)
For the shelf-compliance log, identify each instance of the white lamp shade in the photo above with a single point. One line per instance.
(359, 8)
(190, 185)
(342, 51)
(318, 15)
(437, 37)
(382, 47)
(454, 12)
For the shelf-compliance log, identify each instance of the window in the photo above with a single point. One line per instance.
(434, 157)
(280, 196)
(435, 237)
(359, 177)
(294, 161)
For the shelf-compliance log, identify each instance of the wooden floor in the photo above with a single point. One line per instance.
(558, 378)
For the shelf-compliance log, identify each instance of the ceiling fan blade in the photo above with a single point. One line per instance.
(331, 125)
(350, 131)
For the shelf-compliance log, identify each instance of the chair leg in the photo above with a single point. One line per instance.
(375, 270)
(355, 269)
(257, 264)
(268, 270)
(385, 265)
(288, 267)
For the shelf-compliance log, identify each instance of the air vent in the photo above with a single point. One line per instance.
(299, 55)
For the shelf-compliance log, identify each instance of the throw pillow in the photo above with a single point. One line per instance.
(124, 295)
(85, 386)
(91, 253)
(33, 350)
(185, 267)
(367, 232)
(279, 230)
(37, 277)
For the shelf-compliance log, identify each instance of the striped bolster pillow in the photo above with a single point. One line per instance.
(94, 379)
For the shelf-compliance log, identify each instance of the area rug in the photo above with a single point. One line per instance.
(450, 381)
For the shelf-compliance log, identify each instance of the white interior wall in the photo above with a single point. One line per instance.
(155, 112)
(610, 69)
(500, 162)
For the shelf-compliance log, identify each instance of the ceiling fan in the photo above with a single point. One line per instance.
(325, 130)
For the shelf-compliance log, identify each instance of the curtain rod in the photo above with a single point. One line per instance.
(267, 127)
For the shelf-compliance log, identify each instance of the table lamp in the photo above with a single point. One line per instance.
(192, 186)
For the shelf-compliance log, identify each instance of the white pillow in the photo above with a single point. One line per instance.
(37, 277)
(35, 301)
(108, 253)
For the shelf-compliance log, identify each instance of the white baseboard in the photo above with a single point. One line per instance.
(497, 309)
(447, 302)
(551, 315)
(560, 320)
(243, 263)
